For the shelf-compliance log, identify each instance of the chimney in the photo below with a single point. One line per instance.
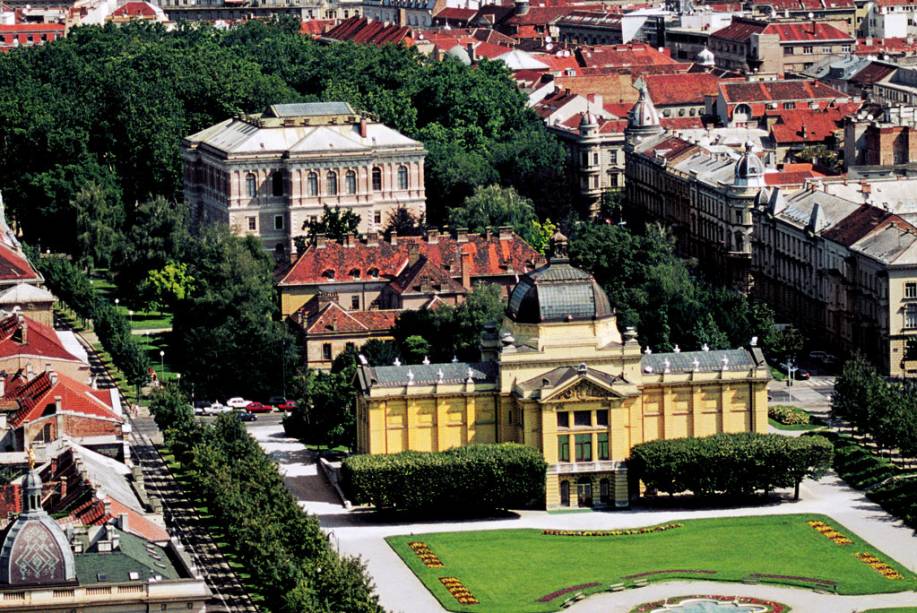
(505, 233)
(413, 253)
(466, 268)
(52, 374)
(122, 522)
(362, 127)
(63, 487)
(393, 239)
(469, 49)
(23, 330)
(461, 235)
(58, 404)
(47, 366)
(372, 239)
(319, 241)
(28, 371)
(432, 237)
(348, 239)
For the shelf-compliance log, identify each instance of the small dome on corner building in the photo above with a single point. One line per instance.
(705, 57)
(749, 169)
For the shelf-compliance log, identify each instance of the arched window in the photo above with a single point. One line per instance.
(277, 183)
(312, 184)
(565, 493)
(251, 186)
(402, 177)
(377, 179)
(350, 182)
(331, 184)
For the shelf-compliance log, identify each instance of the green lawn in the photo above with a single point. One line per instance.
(152, 344)
(780, 426)
(509, 570)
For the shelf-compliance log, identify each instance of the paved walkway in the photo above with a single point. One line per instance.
(804, 601)
(359, 533)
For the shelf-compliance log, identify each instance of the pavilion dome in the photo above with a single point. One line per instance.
(643, 114)
(705, 57)
(558, 292)
(749, 169)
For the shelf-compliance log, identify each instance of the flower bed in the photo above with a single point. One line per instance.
(620, 532)
(830, 533)
(687, 571)
(879, 566)
(426, 555)
(788, 415)
(566, 590)
(769, 606)
(458, 590)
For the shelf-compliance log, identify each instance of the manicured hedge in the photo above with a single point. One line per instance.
(470, 479)
(788, 415)
(731, 464)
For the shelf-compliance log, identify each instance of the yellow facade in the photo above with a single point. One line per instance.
(574, 389)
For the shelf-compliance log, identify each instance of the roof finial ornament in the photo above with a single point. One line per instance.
(31, 459)
(426, 360)
(648, 350)
(439, 375)
(696, 364)
(397, 362)
(470, 378)
(677, 349)
(705, 347)
(410, 377)
(560, 247)
(667, 365)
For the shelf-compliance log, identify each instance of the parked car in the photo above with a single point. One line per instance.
(803, 375)
(276, 400)
(258, 407)
(237, 402)
(246, 416)
(201, 407)
(286, 406)
(218, 407)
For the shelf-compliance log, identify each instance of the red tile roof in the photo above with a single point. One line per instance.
(40, 339)
(670, 148)
(873, 73)
(330, 318)
(455, 13)
(424, 276)
(490, 257)
(807, 31)
(739, 30)
(894, 46)
(544, 15)
(767, 91)
(315, 26)
(362, 30)
(13, 265)
(557, 99)
(36, 399)
(556, 62)
(681, 89)
(135, 9)
(790, 177)
(807, 125)
(861, 222)
(635, 54)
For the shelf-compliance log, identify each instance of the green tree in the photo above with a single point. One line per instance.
(166, 286)
(378, 352)
(99, 217)
(541, 233)
(334, 223)
(404, 222)
(494, 206)
(415, 349)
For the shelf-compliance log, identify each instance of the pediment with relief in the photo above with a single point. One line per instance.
(583, 390)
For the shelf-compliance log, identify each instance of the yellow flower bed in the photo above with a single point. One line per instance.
(458, 590)
(879, 566)
(426, 555)
(828, 532)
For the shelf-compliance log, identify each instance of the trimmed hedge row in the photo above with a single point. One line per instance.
(469, 479)
(788, 415)
(733, 464)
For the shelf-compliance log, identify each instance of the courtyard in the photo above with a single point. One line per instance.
(537, 570)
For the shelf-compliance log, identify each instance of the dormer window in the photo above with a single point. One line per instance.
(328, 274)
(374, 273)
(355, 273)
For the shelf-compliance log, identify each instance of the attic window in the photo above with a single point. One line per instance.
(133, 575)
(101, 577)
(328, 274)
(355, 273)
(374, 273)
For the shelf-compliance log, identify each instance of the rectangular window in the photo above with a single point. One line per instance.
(354, 303)
(614, 156)
(603, 445)
(789, 105)
(377, 217)
(910, 290)
(563, 419)
(252, 223)
(788, 50)
(910, 320)
(595, 159)
(563, 448)
(601, 417)
(582, 418)
(807, 50)
(278, 222)
(583, 447)
(326, 351)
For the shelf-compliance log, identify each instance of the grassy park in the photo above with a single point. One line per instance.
(519, 570)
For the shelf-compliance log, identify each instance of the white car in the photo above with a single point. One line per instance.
(218, 407)
(237, 402)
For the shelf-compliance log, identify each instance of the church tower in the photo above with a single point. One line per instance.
(642, 121)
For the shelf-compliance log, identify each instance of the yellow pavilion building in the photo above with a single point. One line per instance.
(561, 377)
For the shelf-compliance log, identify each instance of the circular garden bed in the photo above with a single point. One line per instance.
(711, 604)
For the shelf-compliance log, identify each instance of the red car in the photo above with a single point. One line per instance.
(288, 405)
(259, 407)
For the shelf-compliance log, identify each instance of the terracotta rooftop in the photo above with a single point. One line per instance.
(38, 339)
(681, 89)
(807, 125)
(36, 398)
(332, 262)
(861, 222)
(807, 31)
(318, 317)
(13, 265)
(634, 54)
(362, 30)
(135, 9)
(766, 91)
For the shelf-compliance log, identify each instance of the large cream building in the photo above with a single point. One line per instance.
(268, 174)
(561, 377)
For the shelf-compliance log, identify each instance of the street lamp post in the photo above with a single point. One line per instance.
(162, 365)
(791, 369)
(117, 302)
(130, 314)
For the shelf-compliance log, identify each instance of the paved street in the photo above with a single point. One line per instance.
(357, 533)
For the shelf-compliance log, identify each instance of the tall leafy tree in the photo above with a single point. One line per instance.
(99, 217)
(494, 206)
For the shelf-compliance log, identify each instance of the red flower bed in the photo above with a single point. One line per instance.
(426, 555)
(879, 566)
(619, 532)
(566, 590)
(670, 570)
(773, 607)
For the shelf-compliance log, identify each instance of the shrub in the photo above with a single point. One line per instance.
(471, 479)
(731, 464)
(788, 416)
